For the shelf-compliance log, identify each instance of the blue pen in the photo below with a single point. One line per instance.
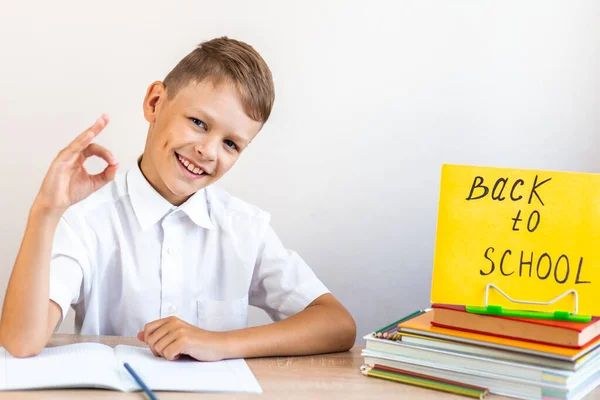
(140, 382)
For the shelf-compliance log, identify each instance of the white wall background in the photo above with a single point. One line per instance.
(372, 97)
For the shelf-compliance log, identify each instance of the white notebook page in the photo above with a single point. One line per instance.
(186, 375)
(76, 365)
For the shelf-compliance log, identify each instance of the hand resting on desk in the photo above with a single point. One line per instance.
(324, 326)
(171, 337)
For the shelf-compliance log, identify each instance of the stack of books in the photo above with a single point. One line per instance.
(447, 348)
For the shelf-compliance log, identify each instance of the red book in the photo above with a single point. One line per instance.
(558, 333)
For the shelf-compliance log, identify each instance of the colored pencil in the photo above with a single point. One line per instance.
(429, 377)
(379, 332)
(390, 332)
(425, 383)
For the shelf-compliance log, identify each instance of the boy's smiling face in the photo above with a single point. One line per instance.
(193, 138)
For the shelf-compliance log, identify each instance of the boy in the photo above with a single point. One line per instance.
(159, 252)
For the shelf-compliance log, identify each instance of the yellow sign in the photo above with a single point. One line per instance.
(533, 234)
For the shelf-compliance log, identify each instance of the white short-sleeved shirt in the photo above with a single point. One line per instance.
(125, 256)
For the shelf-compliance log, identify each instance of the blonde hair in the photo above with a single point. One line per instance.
(224, 60)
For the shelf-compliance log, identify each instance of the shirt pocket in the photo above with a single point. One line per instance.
(223, 315)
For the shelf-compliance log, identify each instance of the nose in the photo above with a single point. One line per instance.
(208, 147)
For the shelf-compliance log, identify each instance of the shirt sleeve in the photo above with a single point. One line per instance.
(282, 283)
(67, 265)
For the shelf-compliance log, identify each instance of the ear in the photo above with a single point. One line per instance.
(155, 95)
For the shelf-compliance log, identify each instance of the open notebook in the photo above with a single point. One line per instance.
(94, 365)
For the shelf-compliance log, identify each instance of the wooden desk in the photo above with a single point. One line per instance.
(330, 376)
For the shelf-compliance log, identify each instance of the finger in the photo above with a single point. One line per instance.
(94, 149)
(84, 139)
(157, 335)
(141, 337)
(173, 351)
(104, 177)
(109, 172)
(152, 326)
(154, 353)
(166, 340)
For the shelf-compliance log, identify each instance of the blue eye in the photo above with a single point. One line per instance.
(230, 144)
(199, 123)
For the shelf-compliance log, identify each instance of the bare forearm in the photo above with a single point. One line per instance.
(28, 316)
(317, 329)
(25, 311)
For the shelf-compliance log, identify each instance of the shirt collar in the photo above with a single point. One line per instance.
(149, 206)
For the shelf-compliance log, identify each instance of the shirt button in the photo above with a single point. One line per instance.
(171, 250)
(172, 309)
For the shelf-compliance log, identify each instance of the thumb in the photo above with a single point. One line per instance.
(140, 335)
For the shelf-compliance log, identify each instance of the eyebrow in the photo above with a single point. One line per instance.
(211, 121)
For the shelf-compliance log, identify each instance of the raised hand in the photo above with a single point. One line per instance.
(67, 181)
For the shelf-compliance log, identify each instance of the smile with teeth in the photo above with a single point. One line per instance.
(193, 168)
